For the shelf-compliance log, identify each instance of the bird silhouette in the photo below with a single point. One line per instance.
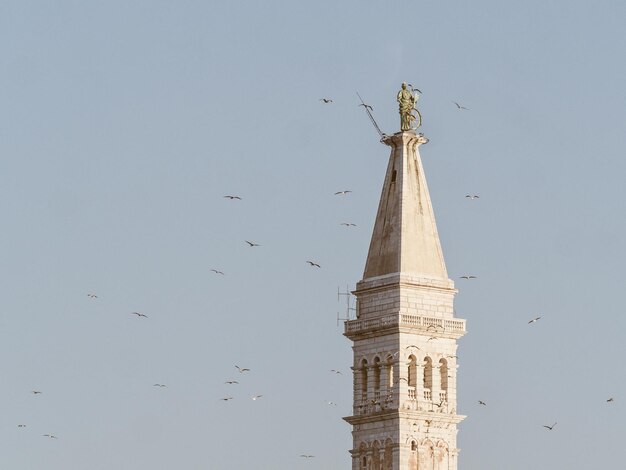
(226, 398)
(313, 264)
(256, 397)
(549, 427)
(534, 320)
(336, 371)
(159, 385)
(472, 196)
(326, 100)
(51, 436)
(217, 271)
(231, 382)
(92, 296)
(610, 400)
(413, 88)
(139, 314)
(348, 224)
(480, 402)
(343, 193)
(468, 277)
(460, 107)
(367, 106)
(232, 197)
(307, 456)
(35, 392)
(252, 243)
(242, 369)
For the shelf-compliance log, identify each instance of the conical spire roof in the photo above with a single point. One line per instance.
(405, 238)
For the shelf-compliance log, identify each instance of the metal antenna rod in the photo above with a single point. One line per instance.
(367, 110)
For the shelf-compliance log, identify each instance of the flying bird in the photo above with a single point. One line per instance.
(21, 425)
(326, 100)
(348, 224)
(226, 398)
(342, 193)
(51, 436)
(232, 197)
(459, 107)
(217, 271)
(252, 243)
(336, 371)
(242, 369)
(314, 264)
(256, 397)
(610, 400)
(231, 382)
(367, 106)
(480, 402)
(467, 277)
(413, 346)
(307, 456)
(92, 296)
(549, 427)
(472, 196)
(139, 314)
(331, 403)
(35, 392)
(159, 385)
(413, 88)
(536, 319)
(432, 338)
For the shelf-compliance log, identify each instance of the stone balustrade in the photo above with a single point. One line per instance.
(434, 325)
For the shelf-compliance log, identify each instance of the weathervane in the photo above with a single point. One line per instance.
(407, 101)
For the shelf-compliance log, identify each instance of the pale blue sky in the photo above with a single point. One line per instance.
(124, 123)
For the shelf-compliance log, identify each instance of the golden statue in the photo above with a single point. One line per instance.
(407, 101)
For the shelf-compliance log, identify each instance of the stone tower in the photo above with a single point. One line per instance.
(405, 334)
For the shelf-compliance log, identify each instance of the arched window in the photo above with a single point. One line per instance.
(388, 459)
(364, 380)
(376, 455)
(443, 373)
(377, 375)
(363, 456)
(389, 371)
(428, 378)
(412, 371)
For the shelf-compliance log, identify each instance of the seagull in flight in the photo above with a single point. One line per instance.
(467, 277)
(232, 197)
(217, 271)
(331, 403)
(480, 402)
(231, 382)
(459, 107)
(549, 427)
(342, 193)
(92, 296)
(251, 243)
(51, 436)
(226, 398)
(326, 100)
(472, 196)
(307, 456)
(413, 347)
(139, 314)
(21, 425)
(159, 385)
(35, 392)
(367, 106)
(314, 264)
(413, 88)
(534, 320)
(610, 400)
(336, 371)
(432, 338)
(256, 397)
(348, 224)
(242, 369)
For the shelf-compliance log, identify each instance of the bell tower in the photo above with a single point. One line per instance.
(405, 334)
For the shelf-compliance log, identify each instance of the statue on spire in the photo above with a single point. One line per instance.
(407, 101)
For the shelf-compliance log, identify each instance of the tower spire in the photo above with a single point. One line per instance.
(405, 238)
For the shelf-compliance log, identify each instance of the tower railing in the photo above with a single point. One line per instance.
(441, 325)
